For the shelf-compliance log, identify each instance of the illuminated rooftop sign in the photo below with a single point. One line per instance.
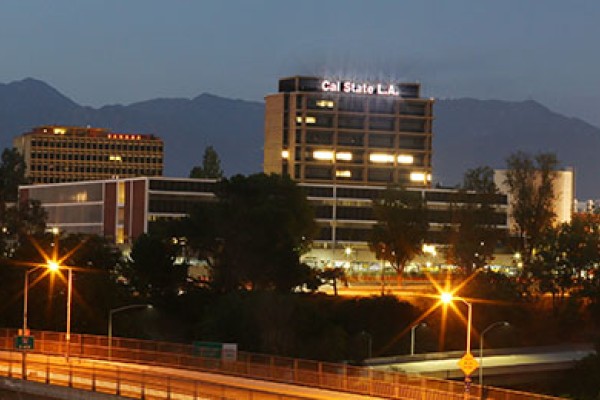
(352, 87)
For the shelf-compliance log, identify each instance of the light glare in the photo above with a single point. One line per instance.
(52, 265)
(446, 297)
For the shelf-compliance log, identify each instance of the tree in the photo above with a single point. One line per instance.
(566, 255)
(480, 180)
(12, 174)
(253, 235)
(530, 182)
(474, 235)
(19, 221)
(211, 166)
(151, 270)
(401, 227)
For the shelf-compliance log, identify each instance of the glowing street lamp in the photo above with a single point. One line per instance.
(448, 298)
(54, 266)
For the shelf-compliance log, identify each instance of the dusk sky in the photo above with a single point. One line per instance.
(107, 52)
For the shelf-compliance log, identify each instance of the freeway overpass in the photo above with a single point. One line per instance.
(501, 366)
(156, 370)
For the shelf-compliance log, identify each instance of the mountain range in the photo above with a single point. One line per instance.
(467, 132)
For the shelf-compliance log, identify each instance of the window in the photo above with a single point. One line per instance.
(381, 124)
(381, 175)
(351, 122)
(410, 142)
(317, 137)
(412, 125)
(381, 158)
(381, 106)
(412, 108)
(352, 104)
(314, 172)
(316, 103)
(350, 139)
(386, 141)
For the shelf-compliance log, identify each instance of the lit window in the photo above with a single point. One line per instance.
(344, 156)
(285, 154)
(115, 158)
(308, 120)
(343, 173)
(428, 177)
(429, 249)
(323, 155)
(417, 176)
(60, 131)
(325, 103)
(381, 158)
(405, 159)
(81, 197)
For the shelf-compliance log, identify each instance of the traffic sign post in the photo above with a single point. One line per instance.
(23, 342)
(468, 364)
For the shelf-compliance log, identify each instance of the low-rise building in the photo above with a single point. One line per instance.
(56, 153)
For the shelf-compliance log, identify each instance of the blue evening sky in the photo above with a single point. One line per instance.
(123, 51)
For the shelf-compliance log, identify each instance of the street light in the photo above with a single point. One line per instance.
(53, 265)
(24, 333)
(447, 298)
(110, 316)
(492, 326)
(412, 336)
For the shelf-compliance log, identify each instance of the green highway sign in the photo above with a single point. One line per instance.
(224, 351)
(208, 349)
(24, 342)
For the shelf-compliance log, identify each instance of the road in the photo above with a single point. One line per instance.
(142, 381)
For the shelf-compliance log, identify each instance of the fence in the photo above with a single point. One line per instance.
(337, 377)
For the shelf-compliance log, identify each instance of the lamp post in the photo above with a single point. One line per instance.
(492, 326)
(413, 331)
(54, 266)
(25, 308)
(69, 301)
(26, 299)
(110, 317)
(448, 298)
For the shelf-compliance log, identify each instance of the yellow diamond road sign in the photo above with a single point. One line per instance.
(468, 364)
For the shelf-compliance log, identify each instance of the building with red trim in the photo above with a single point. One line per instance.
(56, 154)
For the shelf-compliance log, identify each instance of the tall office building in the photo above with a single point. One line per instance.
(67, 154)
(321, 130)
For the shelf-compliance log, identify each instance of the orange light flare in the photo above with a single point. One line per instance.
(445, 299)
(53, 266)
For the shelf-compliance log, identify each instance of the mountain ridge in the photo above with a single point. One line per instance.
(468, 132)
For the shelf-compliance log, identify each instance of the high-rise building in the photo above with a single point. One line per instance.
(67, 153)
(321, 130)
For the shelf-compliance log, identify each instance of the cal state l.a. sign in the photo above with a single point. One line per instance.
(352, 87)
